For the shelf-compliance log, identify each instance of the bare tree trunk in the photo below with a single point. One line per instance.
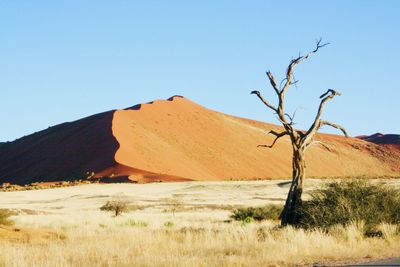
(300, 139)
(293, 200)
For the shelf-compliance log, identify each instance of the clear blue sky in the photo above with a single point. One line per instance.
(64, 60)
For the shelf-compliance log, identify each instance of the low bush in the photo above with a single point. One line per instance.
(116, 205)
(341, 203)
(5, 217)
(268, 212)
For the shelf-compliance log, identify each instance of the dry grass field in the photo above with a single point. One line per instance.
(173, 224)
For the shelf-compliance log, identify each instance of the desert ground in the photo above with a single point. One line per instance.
(173, 224)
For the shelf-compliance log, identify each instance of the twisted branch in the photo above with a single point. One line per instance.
(278, 135)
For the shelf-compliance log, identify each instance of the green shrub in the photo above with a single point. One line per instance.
(268, 212)
(5, 217)
(341, 203)
(247, 221)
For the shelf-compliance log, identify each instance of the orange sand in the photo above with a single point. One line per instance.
(178, 140)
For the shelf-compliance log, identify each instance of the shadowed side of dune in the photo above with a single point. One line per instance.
(379, 138)
(121, 173)
(63, 152)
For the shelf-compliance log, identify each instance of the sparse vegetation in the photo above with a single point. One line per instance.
(173, 205)
(8, 187)
(341, 203)
(117, 205)
(133, 223)
(169, 224)
(194, 237)
(5, 217)
(268, 212)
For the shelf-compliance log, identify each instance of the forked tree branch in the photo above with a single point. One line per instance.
(278, 135)
(291, 118)
(329, 95)
(297, 61)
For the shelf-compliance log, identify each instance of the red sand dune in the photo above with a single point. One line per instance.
(178, 140)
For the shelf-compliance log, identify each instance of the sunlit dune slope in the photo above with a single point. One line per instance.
(177, 140)
(182, 138)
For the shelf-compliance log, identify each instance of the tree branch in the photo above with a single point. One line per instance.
(330, 91)
(278, 135)
(273, 82)
(291, 118)
(337, 126)
(329, 95)
(257, 93)
(289, 80)
(297, 61)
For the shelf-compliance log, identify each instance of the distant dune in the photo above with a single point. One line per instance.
(379, 138)
(178, 140)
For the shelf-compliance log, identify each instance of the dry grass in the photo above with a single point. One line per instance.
(124, 241)
(85, 236)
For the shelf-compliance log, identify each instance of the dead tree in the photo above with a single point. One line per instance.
(300, 140)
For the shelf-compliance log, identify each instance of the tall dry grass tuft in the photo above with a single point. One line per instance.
(389, 231)
(5, 217)
(353, 232)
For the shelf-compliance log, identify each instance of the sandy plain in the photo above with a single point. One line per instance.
(172, 224)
